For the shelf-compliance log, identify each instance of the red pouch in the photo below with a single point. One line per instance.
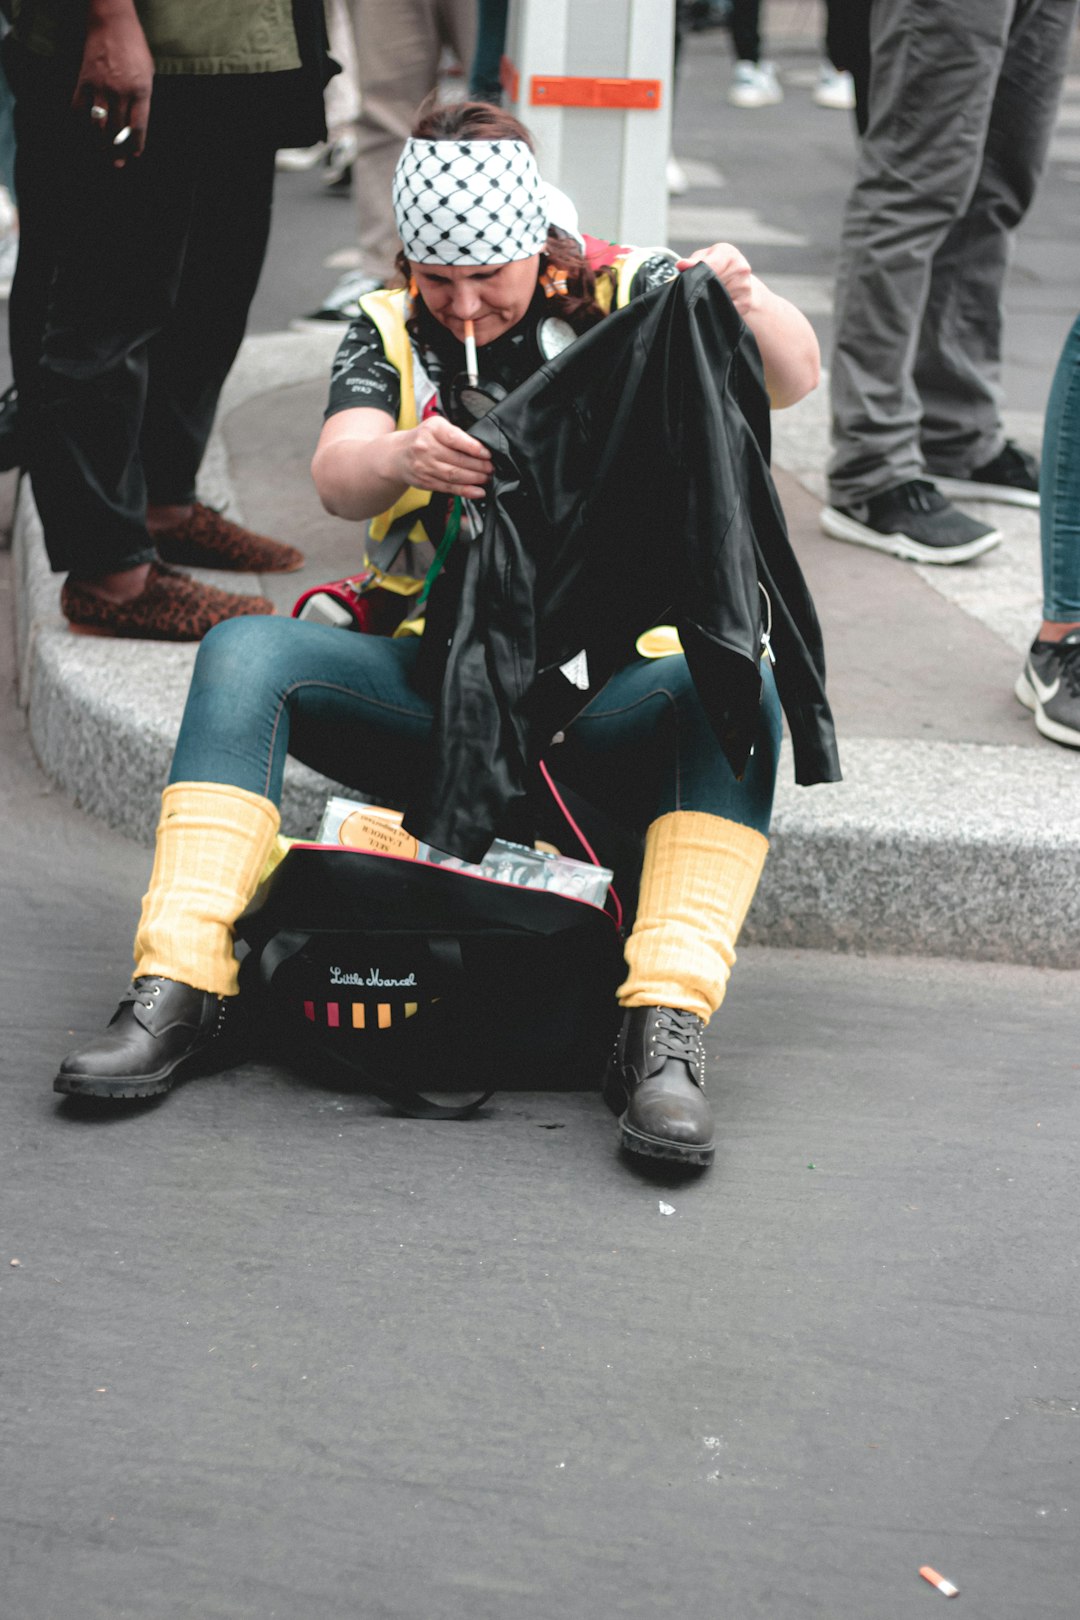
(356, 603)
(344, 603)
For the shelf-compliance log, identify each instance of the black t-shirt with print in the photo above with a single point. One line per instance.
(362, 376)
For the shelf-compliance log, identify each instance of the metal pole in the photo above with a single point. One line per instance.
(592, 80)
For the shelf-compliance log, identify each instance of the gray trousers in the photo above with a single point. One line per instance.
(963, 97)
(398, 46)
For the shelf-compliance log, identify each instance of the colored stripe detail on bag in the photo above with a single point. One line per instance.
(384, 1013)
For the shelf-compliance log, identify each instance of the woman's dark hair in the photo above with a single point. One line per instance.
(480, 121)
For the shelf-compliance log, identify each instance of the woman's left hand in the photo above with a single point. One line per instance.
(731, 268)
(789, 348)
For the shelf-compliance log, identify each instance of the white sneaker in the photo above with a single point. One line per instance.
(338, 159)
(835, 88)
(1049, 685)
(754, 84)
(9, 255)
(340, 306)
(295, 159)
(677, 183)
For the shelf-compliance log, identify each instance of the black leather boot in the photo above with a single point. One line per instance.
(655, 1083)
(159, 1026)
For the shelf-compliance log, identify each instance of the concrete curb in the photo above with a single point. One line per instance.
(930, 848)
(104, 714)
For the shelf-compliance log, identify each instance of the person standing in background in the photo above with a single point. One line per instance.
(754, 80)
(1049, 683)
(145, 141)
(399, 44)
(485, 81)
(962, 103)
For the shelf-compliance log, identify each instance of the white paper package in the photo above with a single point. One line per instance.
(369, 826)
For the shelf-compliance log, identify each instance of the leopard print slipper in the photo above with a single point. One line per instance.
(171, 607)
(205, 539)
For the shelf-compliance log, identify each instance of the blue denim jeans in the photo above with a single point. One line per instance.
(342, 702)
(1059, 488)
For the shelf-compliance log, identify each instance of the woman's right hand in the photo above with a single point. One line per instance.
(116, 77)
(439, 456)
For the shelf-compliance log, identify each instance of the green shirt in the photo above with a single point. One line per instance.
(184, 36)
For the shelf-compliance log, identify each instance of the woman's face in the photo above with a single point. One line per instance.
(493, 297)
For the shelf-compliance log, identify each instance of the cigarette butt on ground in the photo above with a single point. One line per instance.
(946, 1588)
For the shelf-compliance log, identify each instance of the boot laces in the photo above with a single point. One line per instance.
(675, 1033)
(143, 990)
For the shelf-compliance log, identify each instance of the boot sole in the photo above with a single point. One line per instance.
(117, 1088)
(77, 1085)
(656, 1147)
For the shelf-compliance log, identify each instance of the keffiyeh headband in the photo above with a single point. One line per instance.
(469, 202)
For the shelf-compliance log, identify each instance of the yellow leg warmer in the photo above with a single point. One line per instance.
(698, 879)
(212, 845)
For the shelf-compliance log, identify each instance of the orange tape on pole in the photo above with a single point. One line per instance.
(548, 91)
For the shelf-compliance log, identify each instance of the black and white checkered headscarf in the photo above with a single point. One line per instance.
(469, 202)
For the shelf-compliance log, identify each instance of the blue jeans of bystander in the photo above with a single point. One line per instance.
(1059, 488)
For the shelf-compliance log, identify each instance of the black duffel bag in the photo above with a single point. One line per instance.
(419, 978)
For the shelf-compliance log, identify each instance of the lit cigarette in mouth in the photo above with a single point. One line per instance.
(470, 354)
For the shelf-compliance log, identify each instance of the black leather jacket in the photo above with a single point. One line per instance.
(631, 487)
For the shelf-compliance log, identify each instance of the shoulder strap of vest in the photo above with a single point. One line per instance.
(387, 311)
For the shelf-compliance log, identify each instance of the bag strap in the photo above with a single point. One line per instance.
(446, 951)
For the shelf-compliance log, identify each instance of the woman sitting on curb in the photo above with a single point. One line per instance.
(483, 265)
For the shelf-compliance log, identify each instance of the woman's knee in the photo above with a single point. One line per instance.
(244, 654)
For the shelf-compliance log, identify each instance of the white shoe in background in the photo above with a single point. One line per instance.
(294, 159)
(338, 159)
(754, 84)
(9, 241)
(340, 306)
(9, 254)
(835, 88)
(677, 183)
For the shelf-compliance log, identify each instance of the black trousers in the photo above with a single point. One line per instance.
(129, 302)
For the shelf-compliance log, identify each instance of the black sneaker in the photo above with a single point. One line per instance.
(1012, 477)
(912, 521)
(1049, 685)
